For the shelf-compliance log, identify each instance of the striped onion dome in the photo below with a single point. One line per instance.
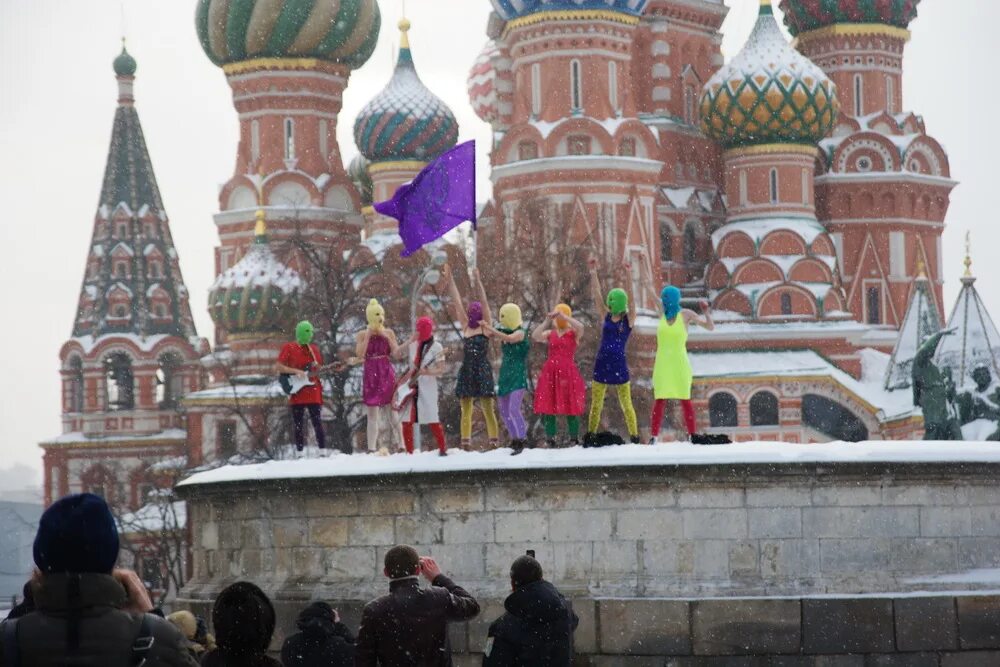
(769, 93)
(514, 9)
(405, 121)
(482, 84)
(805, 15)
(258, 294)
(340, 31)
(357, 170)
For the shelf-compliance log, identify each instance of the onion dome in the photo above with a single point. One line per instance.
(482, 84)
(405, 121)
(357, 170)
(804, 15)
(769, 93)
(514, 9)
(339, 31)
(257, 295)
(124, 64)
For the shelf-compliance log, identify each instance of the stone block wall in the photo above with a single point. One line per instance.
(620, 541)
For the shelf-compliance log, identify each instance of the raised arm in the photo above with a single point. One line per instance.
(483, 299)
(577, 327)
(542, 330)
(458, 311)
(704, 320)
(515, 337)
(596, 293)
(625, 278)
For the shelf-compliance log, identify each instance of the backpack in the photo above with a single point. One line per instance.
(141, 646)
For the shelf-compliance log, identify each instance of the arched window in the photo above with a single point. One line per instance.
(744, 194)
(689, 105)
(289, 139)
(74, 385)
(786, 303)
(890, 94)
(527, 150)
(169, 381)
(121, 270)
(536, 89)
(155, 269)
(764, 409)
(666, 243)
(858, 93)
(873, 305)
(832, 419)
(324, 138)
(255, 140)
(613, 85)
(627, 147)
(774, 186)
(119, 382)
(722, 410)
(575, 86)
(690, 243)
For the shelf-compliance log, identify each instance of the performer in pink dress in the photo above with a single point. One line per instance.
(376, 345)
(560, 390)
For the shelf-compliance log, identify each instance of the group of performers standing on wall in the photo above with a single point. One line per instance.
(411, 400)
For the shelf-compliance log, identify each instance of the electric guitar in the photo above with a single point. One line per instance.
(406, 386)
(292, 383)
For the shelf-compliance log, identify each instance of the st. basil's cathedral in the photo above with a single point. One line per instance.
(788, 187)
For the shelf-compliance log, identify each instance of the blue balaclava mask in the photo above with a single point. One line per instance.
(671, 298)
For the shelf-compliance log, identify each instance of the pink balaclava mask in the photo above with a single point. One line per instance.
(425, 329)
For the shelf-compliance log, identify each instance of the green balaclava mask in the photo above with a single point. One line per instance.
(304, 332)
(617, 301)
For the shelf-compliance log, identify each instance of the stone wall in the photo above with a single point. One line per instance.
(619, 541)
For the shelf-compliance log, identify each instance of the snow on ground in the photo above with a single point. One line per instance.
(637, 456)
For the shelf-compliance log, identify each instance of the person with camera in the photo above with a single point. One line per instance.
(87, 613)
(537, 628)
(409, 626)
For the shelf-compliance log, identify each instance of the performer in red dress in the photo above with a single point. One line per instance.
(560, 389)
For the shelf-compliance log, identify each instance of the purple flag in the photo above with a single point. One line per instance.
(440, 198)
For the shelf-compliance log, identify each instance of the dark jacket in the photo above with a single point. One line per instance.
(409, 626)
(85, 610)
(219, 658)
(537, 629)
(320, 641)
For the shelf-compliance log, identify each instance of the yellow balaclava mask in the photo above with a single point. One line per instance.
(566, 312)
(375, 314)
(510, 316)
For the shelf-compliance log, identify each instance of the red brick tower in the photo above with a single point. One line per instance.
(134, 350)
(883, 184)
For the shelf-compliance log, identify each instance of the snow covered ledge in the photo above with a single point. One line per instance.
(618, 529)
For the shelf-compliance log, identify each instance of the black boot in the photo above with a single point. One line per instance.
(517, 445)
(635, 440)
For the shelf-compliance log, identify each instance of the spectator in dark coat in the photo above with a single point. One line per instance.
(25, 606)
(322, 640)
(409, 626)
(537, 629)
(243, 620)
(85, 612)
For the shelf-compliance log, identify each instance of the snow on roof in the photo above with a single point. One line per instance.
(679, 197)
(258, 268)
(149, 249)
(76, 437)
(976, 341)
(707, 199)
(122, 286)
(124, 248)
(152, 288)
(806, 362)
(920, 322)
(630, 456)
(90, 291)
(143, 210)
(155, 517)
(380, 244)
(144, 343)
(238, 391)
(807, 228)
(97, 250)
(170, 465)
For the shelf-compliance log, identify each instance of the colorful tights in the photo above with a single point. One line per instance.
(660, 407)
(598, 391)
(436, 430)
(488, 405)
(572, 425)
(513, 417)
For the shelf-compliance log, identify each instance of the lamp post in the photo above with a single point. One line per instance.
(430, 276)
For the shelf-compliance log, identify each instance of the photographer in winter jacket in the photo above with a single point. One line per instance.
(322, 640)
(538, 626)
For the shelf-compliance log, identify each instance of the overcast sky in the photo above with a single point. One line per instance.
(57, 100)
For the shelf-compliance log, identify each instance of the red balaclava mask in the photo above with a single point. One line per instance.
(425, 329)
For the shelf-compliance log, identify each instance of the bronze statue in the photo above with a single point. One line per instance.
(934, 391)
(980, 403)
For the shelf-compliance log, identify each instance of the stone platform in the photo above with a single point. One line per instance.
(665, 552)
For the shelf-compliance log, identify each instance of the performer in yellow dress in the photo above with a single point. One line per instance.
(672, 374)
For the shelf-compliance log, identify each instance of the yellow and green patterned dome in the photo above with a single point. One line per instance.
(769, 93)
(339, 31)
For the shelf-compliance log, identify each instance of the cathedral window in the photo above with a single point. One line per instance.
(289, 139)
(627, 147)
(121, 270)
(225, 439)
(890, 94)
(576, 86)
(666, 243)
(786, 304)
(527, 150)
(764, 409)
(536, 89)
(689, 105)
(255, 140)
(74, 385)
(155, 269)
(169, 381)
(774, 186)
(324, 134)
(858, 95)
(578, 145)
(119, 382)
(744, 194)
(873, 305)
(613, 85)
(122, 230)
(691, 243)
(722, 410)
(806, 177)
